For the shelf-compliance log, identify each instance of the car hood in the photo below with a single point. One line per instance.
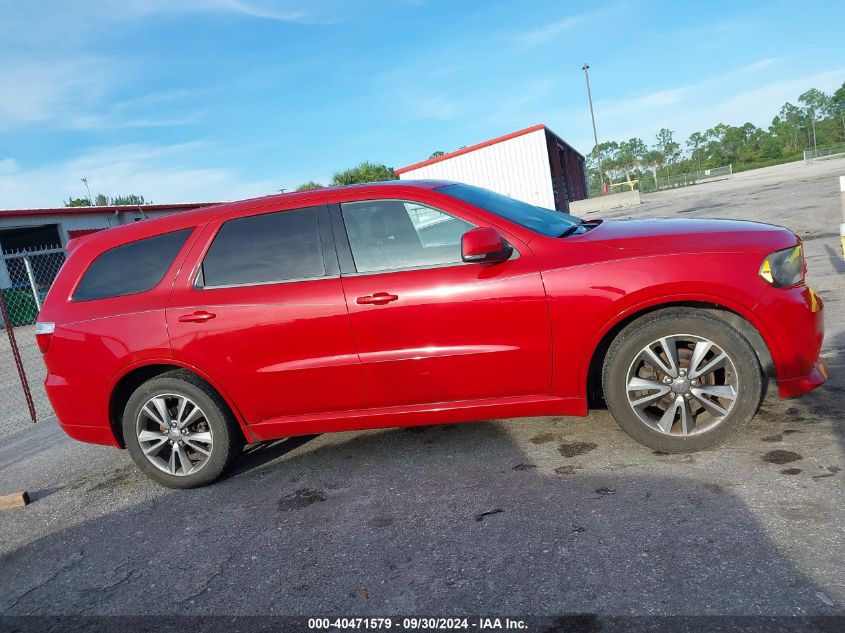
(690, 235)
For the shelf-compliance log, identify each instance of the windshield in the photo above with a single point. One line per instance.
(538, 219)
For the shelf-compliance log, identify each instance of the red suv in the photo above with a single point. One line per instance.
(410, 303)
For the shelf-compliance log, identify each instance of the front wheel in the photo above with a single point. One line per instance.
(179, 431)
(681, 380)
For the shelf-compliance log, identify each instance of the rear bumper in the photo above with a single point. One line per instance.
(78, 411)
(90, 434)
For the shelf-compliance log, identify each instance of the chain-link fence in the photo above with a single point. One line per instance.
(25, 278)
(824, 153)
(647, 182)
(674, 181)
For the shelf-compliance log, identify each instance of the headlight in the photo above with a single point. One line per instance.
(784, 268)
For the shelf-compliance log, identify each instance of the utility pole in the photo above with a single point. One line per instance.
(90, 199)
(813, 119)
(586, 69)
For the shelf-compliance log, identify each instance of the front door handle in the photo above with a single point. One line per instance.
(200, 316)
(378, 298)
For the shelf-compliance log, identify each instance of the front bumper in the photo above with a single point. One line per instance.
(794, 322)
(792, 387)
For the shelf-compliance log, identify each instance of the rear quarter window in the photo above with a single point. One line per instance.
(130, 268)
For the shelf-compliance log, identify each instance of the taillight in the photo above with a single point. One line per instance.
(43, 335)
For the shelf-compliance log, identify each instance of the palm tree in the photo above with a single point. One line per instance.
(364, 172)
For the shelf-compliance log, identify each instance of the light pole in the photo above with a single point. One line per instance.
(586, 69)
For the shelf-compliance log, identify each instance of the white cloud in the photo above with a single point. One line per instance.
(111, 10)
(550, 31)
(760, 105)
(255, 8)
(49, 78)
(8, 166)
(65, 94)
(110, 121)
(433, 107)
(674, 96)
(38, 91)
(513, 108)
(159, 173)
(300, 11)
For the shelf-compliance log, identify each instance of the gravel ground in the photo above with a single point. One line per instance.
(532, 516)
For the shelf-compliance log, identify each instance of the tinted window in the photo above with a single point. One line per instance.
(265, 248)
(392, 234)
(131, 268)
(538, 219)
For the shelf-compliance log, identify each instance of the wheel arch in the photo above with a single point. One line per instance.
(741, 322)
(136, 375)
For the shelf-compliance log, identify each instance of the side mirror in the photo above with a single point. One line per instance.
(484, 246)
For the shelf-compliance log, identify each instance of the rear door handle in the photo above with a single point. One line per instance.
(378, 298)
(200, 316)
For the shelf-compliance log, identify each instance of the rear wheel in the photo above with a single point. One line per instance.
(179, 431)
(681, 380)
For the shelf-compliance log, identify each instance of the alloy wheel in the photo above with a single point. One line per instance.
(682, 385)
(174, 434)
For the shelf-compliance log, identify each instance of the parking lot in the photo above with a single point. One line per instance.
(531, 516)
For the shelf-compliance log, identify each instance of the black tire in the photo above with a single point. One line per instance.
(226, 434)
(627, 346)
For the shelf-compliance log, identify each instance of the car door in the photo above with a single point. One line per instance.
(259, 307)
(428, 327)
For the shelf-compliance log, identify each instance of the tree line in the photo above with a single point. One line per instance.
(363, 172)
(817, 122)
(102, 200)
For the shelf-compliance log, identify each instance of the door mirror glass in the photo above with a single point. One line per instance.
(484, 246)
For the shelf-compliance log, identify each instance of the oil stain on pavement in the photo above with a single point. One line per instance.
(781, 457)
(573, 449)
(302, 498)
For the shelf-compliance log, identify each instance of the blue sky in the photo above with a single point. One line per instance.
(183, 100)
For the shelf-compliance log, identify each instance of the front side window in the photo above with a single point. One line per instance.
(396, 234)
(131, 268)
(265, 248)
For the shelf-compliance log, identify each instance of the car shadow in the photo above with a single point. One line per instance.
(835, 259)
(446, 520)
(828, 401)
(257, 455)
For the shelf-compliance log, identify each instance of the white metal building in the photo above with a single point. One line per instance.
(533, 165)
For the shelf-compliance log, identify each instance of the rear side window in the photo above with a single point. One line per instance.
(265, 248)
(130, 268)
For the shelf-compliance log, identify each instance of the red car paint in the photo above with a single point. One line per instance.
(424, 346)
